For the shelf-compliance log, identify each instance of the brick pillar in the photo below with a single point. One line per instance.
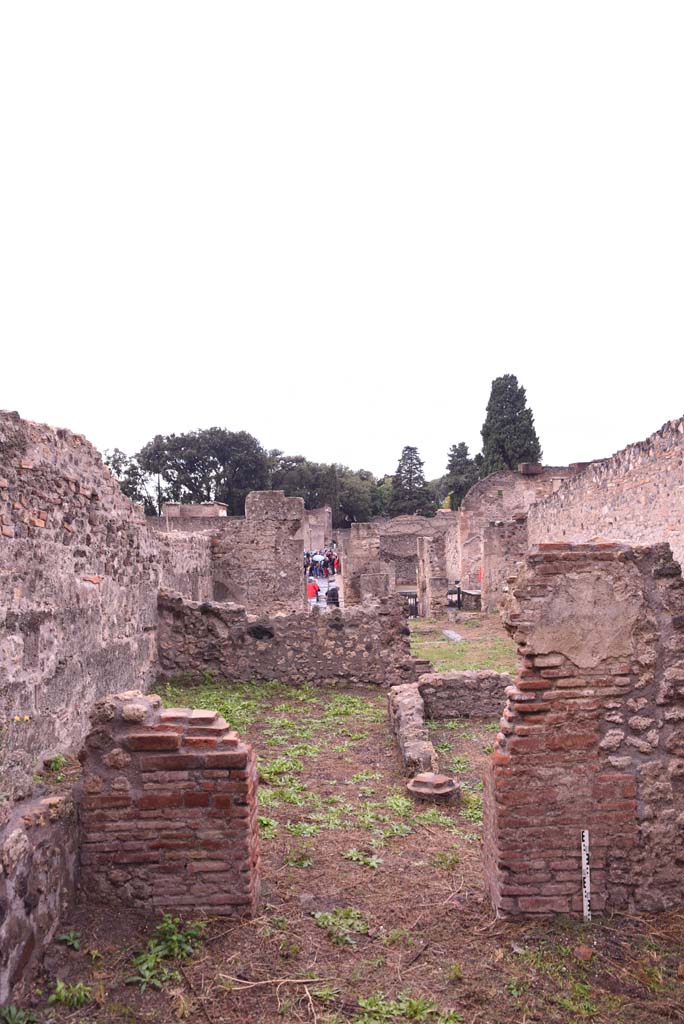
(591, 737)
(168, 809)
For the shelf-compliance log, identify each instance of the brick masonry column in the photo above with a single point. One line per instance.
(168, 810)
(591, 735)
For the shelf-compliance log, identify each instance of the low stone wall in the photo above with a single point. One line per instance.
(591, 736)
(479, 694)
(475, 694)
(168, 810)
(38, 867)
(504, 545)
(358, 645)
(407, 720)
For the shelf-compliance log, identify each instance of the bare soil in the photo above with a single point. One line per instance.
(332, 784)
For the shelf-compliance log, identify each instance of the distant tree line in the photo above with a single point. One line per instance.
(223, 465)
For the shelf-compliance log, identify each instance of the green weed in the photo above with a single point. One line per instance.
(359, 857)
(70, 939)
(302, 828)
(341, 924)
(73, 996)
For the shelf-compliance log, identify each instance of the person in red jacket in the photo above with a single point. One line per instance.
(312, 589)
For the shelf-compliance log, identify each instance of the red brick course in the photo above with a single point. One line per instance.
(168, 815)
(589, 735)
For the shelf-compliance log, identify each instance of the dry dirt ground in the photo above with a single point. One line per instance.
(373, 907)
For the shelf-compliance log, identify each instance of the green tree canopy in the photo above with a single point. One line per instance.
(134, 482)
(410, 493)
(508, 434)
(208, 465)
(461, 474)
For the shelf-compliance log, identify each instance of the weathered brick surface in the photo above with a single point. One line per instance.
(357, 645)
(591, 734)
(38, 861)
(635, 497)
(168, 810)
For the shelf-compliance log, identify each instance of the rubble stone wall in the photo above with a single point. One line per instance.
(168, 810)
(472, 694)
(38, 870)
(438, 696)
(186, 564)
(498, 498)
(504, 545)
(407, 721)
(636, 497)
(318, 530)
(258, 561)
(364, 645)
(361, 557)
(591, 736)
(79, 575)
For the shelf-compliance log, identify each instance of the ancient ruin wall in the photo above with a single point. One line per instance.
(498, 498)
(38, 868)
(78, 593)
(317, 530)
(167, 809)
(361, 557)
(364, 645)
(186, 564)
(439, 696)
(591, 737)
(504, 545)
(637, 497)
(399, 539)
(258, 561)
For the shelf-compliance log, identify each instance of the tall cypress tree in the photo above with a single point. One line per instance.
(508, 434)
(410, 493)
(461, 473)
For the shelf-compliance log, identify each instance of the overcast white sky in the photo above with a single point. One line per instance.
(332, 225)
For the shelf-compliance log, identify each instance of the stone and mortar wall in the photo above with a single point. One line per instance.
(637, 497)
(361, 557)
(186, 564)
(258, 561)
(317, 531)
(435, 695)
(79, 575)
(38, 868)
(498, 498)
(472, 694)
(504, 545)
(364, 645)
(591, 737)
(433, 582)
(407, 721)
(399, 539)
(168, 810)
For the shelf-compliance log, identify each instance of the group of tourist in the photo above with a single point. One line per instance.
(321, 563)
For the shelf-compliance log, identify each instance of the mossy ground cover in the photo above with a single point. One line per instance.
(485, 644)
(373, 907)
